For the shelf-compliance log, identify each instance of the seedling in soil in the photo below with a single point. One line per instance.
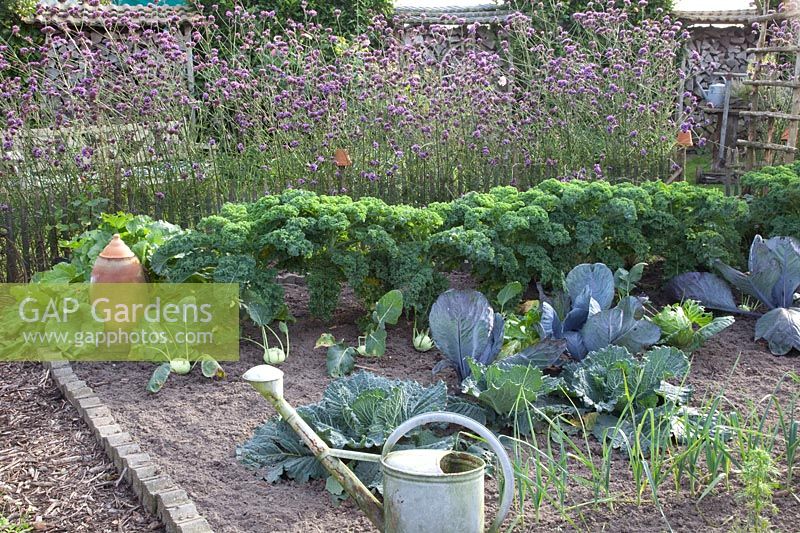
(275, 355)
(341, 359)
(625, 280)
(208, 365)
(508, 294)
(387, 311)
(758, 475)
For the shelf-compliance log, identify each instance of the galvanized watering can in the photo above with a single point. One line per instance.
(424, 491)
(715, 95)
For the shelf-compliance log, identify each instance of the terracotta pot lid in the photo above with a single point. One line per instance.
(117, 249)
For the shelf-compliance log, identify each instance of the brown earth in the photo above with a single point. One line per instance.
(193, 426)
(53, 474)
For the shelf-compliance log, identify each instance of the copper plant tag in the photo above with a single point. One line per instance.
(685, 139)
(342, 158)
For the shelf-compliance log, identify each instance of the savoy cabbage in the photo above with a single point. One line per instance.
(356, 413)
(607, 378)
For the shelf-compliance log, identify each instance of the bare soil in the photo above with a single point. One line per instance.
(193, 426)
(53, 474)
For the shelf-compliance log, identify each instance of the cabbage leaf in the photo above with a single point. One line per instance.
(357, 412)
(465, 327)
(688, 325)
(773, 279)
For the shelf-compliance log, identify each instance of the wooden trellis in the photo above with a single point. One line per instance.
(752, 144)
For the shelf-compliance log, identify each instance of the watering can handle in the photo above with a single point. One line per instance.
(480, 429)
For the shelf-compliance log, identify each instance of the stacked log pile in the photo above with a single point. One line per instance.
(718, 49)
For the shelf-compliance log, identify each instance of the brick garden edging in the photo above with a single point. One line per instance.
(158, 493)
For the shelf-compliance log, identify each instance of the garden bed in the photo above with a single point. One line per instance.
(193, 426)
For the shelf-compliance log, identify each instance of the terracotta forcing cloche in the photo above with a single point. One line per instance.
(117, 264)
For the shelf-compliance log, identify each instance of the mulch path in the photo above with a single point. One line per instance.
(53, 474)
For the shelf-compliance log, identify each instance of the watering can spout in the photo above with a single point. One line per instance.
(267, 380)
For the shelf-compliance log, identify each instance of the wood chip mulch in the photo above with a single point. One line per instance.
(53, 474)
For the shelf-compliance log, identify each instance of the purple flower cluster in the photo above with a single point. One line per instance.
(404, 104)
(608, 88)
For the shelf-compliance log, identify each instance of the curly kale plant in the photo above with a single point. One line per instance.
(538, 234)
(775, 202)
(331, 240)
(334, 240)
(505, 235)
(220, 250)
(692, 227)
(584, 318)
(773, 280)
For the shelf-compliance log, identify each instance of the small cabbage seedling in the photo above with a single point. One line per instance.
(208, 365)
(340, 359)
(625, 280)
(387, 311)
(522, 330)
(508, 294)
(507, 388)
(687, 325)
